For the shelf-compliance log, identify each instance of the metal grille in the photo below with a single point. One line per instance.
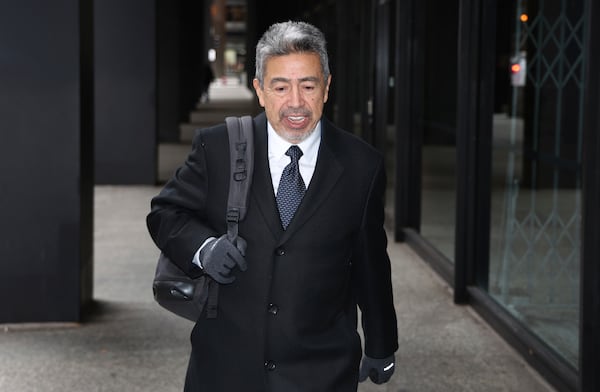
(542, 238)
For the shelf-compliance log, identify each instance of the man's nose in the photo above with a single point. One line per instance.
(296, 98)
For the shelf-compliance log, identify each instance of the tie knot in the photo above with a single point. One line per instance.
(294, 152)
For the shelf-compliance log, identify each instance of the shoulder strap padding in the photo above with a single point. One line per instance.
(241, 153)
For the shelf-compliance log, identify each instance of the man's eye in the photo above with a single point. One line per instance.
(280, 89)
(309, 87)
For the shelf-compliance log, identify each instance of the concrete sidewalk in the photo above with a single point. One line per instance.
(131, 344)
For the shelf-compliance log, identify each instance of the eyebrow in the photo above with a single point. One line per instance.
(286, 80)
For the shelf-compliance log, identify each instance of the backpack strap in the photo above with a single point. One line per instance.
(241, 153)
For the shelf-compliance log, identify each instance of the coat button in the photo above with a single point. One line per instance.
(270, 365)
(273, 309)
(280, 251)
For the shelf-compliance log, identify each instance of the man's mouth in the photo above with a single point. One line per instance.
(296, 120)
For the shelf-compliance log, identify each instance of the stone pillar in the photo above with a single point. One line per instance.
(46, 200)
(125, 76)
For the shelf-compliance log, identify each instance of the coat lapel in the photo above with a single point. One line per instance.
(262, 186)
(327, 172)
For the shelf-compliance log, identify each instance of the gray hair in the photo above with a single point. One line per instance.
(287, 38)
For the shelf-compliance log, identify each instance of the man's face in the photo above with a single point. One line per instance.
(293, 94)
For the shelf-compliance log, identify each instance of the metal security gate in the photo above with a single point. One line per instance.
(538, 277)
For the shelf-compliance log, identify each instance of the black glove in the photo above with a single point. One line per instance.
(219, 256)
(379, 370)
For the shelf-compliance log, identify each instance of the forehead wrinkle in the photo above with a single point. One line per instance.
(278, 79)
(287, 80)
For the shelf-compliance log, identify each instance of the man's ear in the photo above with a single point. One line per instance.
(259, 92)
(326, 97)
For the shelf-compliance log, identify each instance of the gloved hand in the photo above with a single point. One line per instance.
(219, 256)
(379, 370)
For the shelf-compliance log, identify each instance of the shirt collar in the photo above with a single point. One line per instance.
(309, 146)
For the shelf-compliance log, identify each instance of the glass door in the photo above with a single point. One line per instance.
(536, 168)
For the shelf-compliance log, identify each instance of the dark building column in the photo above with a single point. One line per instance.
(382, 74)
(193, 55)
(46, 199)
(125, 76)
(167, 20)
(182, 52)
(589, 338)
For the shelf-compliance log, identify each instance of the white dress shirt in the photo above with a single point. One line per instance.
(278, 160)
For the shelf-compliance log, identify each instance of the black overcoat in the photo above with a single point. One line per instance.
(288, 323)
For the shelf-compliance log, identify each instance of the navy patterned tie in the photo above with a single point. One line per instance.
(291, 187)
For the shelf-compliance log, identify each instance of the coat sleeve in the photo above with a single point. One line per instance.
(372, 275)
(177, 220)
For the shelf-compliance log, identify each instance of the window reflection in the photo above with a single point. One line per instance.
(536, 176)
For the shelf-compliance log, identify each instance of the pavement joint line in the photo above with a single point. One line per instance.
(26, 327)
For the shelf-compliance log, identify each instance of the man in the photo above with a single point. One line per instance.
(313, 243)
